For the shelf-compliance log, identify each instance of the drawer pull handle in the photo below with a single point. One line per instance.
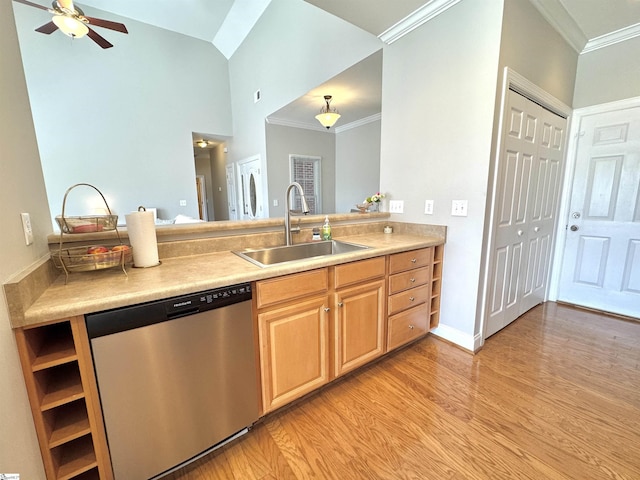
(340, 304)
(414, 260)
(326, 309)
(411, 327)
(413, 280)
(411, 299)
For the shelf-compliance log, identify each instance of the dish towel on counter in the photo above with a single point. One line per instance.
(142, 235)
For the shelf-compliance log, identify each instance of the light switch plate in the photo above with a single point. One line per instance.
(459, 208)
(396, 206)
(26, 227)
(428, 207)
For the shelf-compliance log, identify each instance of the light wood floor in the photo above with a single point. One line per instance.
(554, 395)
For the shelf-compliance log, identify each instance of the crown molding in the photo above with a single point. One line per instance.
(283, 122)
(358, 123)
(414, 20)
(612, 38)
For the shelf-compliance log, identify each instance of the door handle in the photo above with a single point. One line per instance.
(573, 228)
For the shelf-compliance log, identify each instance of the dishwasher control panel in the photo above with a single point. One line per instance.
(207, 300)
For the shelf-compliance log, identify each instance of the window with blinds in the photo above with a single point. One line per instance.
(307, 171)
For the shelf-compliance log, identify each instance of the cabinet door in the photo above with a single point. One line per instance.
(294, 351)
(359, 325)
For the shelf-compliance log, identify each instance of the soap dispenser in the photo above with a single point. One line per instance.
(326, 229)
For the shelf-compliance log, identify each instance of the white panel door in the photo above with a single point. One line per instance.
(250, 186)
(526, 204)
(232, 198)
(601, 259)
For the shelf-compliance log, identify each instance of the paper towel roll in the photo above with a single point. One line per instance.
(142, 234)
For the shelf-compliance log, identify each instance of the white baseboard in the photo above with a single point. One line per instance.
(464, 340)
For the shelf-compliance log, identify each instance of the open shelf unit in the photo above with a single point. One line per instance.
(64, 403)
(436, 286)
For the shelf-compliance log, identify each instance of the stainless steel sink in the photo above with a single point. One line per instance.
(266, 257)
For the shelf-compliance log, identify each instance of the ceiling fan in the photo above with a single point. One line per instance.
(72, 21)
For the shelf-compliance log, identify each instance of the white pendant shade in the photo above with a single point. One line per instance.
(328, 119)
(328, 116)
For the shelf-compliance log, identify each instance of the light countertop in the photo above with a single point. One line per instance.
(106, 289)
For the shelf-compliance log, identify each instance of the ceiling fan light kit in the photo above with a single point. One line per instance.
(328, 116)
(70, 26)
(71, 21)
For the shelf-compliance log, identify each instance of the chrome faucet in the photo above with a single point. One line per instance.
(287, 213)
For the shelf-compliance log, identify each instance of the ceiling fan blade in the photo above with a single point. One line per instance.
(99, 39)
(99, 22)
(31, 4)
(47, 28)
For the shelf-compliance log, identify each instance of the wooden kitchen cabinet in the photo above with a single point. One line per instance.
(359, 313)
(293, 332)
(58, 371)
(410, 296)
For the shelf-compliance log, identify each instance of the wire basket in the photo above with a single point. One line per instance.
(85, 259)
(90, 257)
(87, 224)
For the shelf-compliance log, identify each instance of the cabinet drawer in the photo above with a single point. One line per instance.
(410, 279)
(355, 272)
(298, 285)
(399, 262)
(408, 298)
(407, 326)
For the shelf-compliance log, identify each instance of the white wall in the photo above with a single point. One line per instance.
(439, 88)
(121, 119)
(608, 74)
(21, 190)
(357, 165)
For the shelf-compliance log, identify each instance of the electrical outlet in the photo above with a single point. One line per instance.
(183, 203)
(26, 227)
(275, 202)
(428, 207)
(396, 206)
(459, 208)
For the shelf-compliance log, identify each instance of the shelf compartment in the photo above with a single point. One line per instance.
(59, 385)
(74, 458)
(50, 345)
(66, 423)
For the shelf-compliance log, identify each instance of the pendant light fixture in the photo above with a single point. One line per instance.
(328, 116)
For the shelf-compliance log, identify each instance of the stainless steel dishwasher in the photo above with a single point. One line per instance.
(176, 378)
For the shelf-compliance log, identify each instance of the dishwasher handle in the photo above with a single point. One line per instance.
(183, 313)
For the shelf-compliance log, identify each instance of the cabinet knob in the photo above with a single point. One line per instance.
(414, 260)
(340, 304)
(411, 299)
(411, 327)
(413, 280)
(326, 309)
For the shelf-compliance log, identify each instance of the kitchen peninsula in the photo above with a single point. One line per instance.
(396, 281)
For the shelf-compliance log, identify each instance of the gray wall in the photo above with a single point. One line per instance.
(283, 141)
(121, 119)
(357, 165)
(283, 58)
(531, 47)
(608, 74)
(21, 190)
